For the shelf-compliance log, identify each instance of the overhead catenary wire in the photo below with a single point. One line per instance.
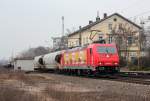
(130, 5)
(133, 5)
(140, 14)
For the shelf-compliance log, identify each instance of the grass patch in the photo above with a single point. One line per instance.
(12, 94)
(92, 96)
(136, 68)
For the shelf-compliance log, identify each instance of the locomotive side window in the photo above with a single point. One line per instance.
(90, 50)
(106, 50)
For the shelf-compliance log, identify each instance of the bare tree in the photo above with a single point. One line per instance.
(69, 31)
(124, 35)
(3, 62)
(60, 43)
(32, 52)
(120, 36)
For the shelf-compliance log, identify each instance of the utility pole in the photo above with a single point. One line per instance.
(62, 26)
(139, 48)
(12, 58)
(64, 39)
(139, 42)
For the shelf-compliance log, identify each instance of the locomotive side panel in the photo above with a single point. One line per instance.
(75, 59)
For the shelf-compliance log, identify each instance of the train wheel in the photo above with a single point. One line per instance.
(73, 72)
(79, 72)
(89, 73)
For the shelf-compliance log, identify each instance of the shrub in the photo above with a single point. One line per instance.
(144, 64)
(123, 61)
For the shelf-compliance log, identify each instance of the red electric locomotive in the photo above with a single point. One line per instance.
(95, 58)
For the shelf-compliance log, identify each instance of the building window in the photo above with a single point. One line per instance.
(110, 26)
(129, 40)
(83, 41)
(110, 39)
(133, 40)
(69, 44)
(100, 38)
(115, 19)
(133, 54)
(77, 43)
(54, 41)
(86, 39)
(133, 60)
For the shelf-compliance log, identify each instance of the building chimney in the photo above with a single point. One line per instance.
(90, 21)
(98, 18)
(105, 15)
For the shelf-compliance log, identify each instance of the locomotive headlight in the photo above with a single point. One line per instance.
(100, 63)
(116, 63)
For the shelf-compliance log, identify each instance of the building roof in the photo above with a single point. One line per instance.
(96, 22)
(25, 58)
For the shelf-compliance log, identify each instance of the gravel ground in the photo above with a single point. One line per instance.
(51, 87)
(109, 90)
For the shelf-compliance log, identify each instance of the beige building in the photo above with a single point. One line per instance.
(113, 29)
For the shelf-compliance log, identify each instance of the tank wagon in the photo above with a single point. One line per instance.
(94, 58)
(38, 62)
(49, 61)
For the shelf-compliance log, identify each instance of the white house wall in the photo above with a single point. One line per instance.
(24, 64)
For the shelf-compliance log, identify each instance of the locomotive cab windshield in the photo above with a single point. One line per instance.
(106, 50)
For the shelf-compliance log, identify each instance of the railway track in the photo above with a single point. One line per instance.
(129, 77)
(133, 80)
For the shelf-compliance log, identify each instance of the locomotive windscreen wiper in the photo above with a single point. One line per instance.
(107, 50)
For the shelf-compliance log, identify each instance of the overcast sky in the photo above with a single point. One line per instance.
(31, 23)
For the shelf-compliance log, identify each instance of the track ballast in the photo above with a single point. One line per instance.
(129, 77)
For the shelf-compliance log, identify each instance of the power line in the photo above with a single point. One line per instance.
(129, 6)
(143, 13)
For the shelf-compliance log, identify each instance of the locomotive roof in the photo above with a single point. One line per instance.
(91, 45)
(74, 49)
(96, 44)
